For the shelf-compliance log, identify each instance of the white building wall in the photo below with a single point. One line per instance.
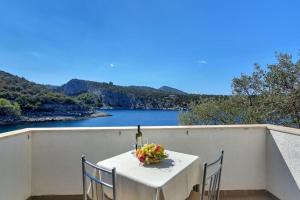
(15, 166)
(56, 153)
(283, 156)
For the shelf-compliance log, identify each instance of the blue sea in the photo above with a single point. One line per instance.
(118, 118)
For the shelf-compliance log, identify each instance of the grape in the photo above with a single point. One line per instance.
(151, 153)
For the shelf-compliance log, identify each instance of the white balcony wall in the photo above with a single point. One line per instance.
(283, 165)
(56, 167)
(15, 165)
(47, 161)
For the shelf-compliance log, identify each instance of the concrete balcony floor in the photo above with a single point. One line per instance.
(239, 195)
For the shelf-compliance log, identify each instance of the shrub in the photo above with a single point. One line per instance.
(9, 109)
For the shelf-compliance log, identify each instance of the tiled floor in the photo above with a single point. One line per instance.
(247, 195)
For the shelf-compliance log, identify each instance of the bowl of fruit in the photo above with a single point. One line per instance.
(151, 154)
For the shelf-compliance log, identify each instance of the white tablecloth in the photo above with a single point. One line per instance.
(172, 179)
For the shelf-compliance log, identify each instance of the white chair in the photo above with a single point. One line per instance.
(97, 183)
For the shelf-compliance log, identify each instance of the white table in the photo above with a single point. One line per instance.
(172, 179)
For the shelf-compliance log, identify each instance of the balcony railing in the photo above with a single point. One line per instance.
(46, 161)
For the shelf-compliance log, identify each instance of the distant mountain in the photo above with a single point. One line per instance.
(172, 90)
(109, 95)
(132, 97)
(76, 86)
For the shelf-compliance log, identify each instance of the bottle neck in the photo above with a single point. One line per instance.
(139, 129)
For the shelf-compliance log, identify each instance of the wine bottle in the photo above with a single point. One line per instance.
(139, 138)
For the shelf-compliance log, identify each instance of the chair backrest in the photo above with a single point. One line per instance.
(93, 176)
(211, 179)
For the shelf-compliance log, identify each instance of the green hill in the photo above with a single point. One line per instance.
(33, 97)
(172, 90)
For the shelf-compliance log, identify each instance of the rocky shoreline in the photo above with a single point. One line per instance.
(50, 118)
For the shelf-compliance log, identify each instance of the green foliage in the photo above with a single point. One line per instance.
(31, 96)
(9, 109)
(265, 96)
(220, 111)
(90, 100)
(52, 97)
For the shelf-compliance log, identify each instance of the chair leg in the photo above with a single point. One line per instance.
(196, 188)
(106, 197)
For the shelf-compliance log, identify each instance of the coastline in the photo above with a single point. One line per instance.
(33, 119)
(154, 109)
(73, 116)
(118, 118)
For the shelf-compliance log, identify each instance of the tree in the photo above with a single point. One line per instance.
(265, 96)
(9, 109)
(221, 111)
(90, 100)
(282, 90)
(249, 86)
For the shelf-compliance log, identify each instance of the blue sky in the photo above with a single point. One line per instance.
(193, 45)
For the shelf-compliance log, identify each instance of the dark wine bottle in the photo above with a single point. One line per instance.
(139, 138)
